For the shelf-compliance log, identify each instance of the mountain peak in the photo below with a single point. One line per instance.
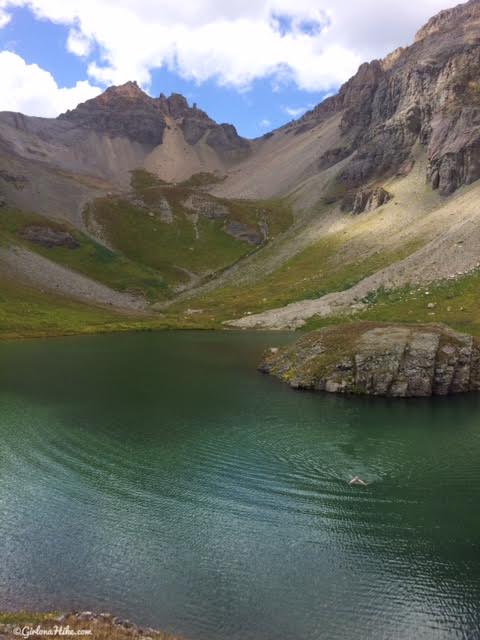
(175, 105)
(127, 91)
(124, 111)
(425, 93)
(449, 19)
(127, 111)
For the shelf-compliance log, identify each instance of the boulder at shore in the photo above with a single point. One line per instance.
(380, 359)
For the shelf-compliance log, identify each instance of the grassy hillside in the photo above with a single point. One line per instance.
(89, 258)
(312, 273)
(154, 226)
(26, 312)
(160, 244)
(150, 257)
(137, 253)
(417, 236)
(455, 302)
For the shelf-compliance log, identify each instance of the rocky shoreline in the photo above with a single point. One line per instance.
(86, 624)
(391, 360)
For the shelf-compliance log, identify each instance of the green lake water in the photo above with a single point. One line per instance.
(160, 477)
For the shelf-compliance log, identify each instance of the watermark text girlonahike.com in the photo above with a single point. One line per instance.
(57, 630)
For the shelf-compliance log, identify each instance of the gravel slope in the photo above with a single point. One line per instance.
(452, 248)
(35, 270)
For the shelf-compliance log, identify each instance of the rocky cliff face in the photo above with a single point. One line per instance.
(370, 199)
(53, 166)
(380, 360)
(124, 111)
(127, 111)
(428, 93)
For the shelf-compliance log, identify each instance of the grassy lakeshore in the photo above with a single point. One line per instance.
(454, 302)
(27, 313)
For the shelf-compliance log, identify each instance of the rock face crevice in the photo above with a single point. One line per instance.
(380, 360)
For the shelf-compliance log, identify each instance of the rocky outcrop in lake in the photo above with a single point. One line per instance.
(380, 360)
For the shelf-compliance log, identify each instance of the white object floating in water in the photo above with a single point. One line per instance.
(357, 482)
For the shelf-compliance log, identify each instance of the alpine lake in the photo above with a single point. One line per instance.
(160, 477)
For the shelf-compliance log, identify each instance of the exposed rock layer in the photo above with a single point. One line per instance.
(380, 360)
(423, 95)
(426, 93)
(369, 199)
(49, 237)
(127, 111)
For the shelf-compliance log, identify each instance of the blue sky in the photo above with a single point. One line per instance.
(254, 110)
(254, 63)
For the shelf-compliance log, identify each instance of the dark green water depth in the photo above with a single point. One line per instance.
(160, 477)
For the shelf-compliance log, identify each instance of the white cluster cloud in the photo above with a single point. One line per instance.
(29, 89)
(4, 18)
(78, 43)
(317, 44)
